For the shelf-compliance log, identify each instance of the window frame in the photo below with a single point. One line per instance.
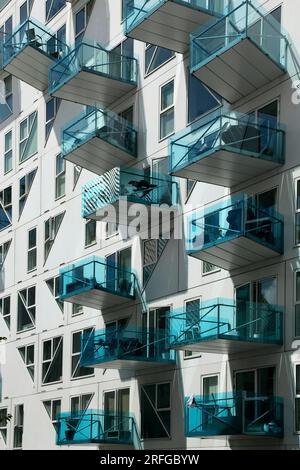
(60, 176)
(297, 397)
(6, 315)
(189, 355)
(50, 361)
(147, 46)
(6, 207)
(162, 112)
(208, 376)
(18, 424)
(32, 249)
(54, 421)
(25, 359)
(297, 211)
(7, 151)
(28, 130)
(5, 426)
(214, 271)
(296, 272)
(169, 434)
(48, 19)
(94, 242)
(72, 355)
(28, 309)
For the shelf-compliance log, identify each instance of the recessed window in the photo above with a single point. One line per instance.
(53, 7)
(52, 107)
(3, 252)
(60, 176)
(5, 208)
(192, 308)
(76, 175)
(28, 137)
(200, 99)
(8, 92)
(27, 354)
(53, 285)
(210, 386)
(32, 250)
(209, 268)
(4, 419)
(77, 370)
(25, 184)
(52, 227)
(90, 232)
(53, 408)
(52, 360)
(81, 21)
(167, 109)
(8, 152)
(26, 309)
(156, 411)
(5, 310)
(297, 305)
(77, 310)
(155, 57)
(297, 399)
(80, 403)
(18, 426)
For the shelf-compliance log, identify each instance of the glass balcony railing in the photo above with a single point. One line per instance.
(130, 183)
(97, 427)
(234, 414)
(136, 11)
(135, 344)
(240, 136)
(234, 218)
(259, 51)
(32, 33)
(96, 60)
(224, 319)
(102, 124)
(94, 274)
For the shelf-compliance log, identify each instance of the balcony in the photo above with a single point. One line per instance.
(97, 427)
(240, 52)
(223, 326)
(129, 348)
(29, 52)
(124, 187)
(235, 233)
(89, 74)
(234, 414)
(95, 283)
(168, 23)
(99, 140)
(227, 150)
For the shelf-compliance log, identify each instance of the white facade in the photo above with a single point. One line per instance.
(177, 277)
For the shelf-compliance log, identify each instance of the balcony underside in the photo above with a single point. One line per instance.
(130, 364)
(99, 156)
(96, 298)
(30, 65)
(169, 26)
(109, 444)
(88, 88)
(149, 213)
(223, 345)
(225, 168)
(234, 254)
(239, 70)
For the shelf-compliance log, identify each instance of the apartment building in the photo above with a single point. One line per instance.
(141, 338)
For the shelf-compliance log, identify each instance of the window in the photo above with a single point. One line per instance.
(208, 268)
(26, 309)
(210, 386)
(52, 360)
(127, 114)
(77, 310)
(111, 229)
(53, 285)
(156, 321)
(297, 399)
(80, 403)
(3, 252)
(8, 92)
(81, 20)
(27, 354)
(25, 184)
(53, 408)
(53, 7)
(90, 232)
(5, 310)
(200, 99)
(190, 184)
(116, 403)
(18, 426)
(60, 176)
(192, 308)
(297, 305)
(25, 9)
(5, 208)
(76, 175)
(6, 28)
(155, 57)
(167, 109)
(150, 257)
(77, 370)
(51, 228)
(297, 215)
(52, 106)
(8, 152)
(32, 250)
(4, 419)
(156, 411)
(56, 47)
(28, 137)
(120, 68)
